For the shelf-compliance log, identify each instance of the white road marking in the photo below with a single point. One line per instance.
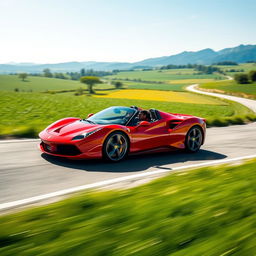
(18, 140)
(34, 199)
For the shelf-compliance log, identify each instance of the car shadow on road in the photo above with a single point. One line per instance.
(135, 163)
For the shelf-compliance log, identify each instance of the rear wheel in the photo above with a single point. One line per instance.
(115, 147)
(194, 139)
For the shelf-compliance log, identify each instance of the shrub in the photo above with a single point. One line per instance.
(252, 75)
(242, 78)
(118, 84)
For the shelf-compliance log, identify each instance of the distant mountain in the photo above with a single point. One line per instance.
(201, 57)
(239, 54)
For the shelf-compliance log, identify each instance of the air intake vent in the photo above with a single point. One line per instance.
(174, 123)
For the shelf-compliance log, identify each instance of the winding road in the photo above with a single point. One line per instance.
(27, 176)
(251, 104)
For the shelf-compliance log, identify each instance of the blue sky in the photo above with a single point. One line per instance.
(51, 31)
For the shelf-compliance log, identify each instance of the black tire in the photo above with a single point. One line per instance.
(194, 139)
(115, 147)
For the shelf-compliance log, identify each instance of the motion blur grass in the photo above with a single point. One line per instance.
(209, 211)
(26, 114)
(233, 88)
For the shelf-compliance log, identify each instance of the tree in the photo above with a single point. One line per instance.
(23, 76)
(252, 75)
(242, 78)
(90, 81)
(47, 72)
(82, 72)
(118, 84)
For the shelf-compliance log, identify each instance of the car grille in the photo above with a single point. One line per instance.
(61, 149)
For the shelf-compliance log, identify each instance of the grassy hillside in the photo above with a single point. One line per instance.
(231, 87)
(25, 114)
(40, 84)
(209, 211)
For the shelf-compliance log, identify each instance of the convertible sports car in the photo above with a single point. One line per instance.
(115, 132)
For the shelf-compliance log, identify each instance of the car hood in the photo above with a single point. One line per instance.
(73, 129)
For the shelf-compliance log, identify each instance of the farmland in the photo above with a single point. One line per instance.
(39, 101)
(169, 96)
(241, 68)
(27, 113)
(164, 75)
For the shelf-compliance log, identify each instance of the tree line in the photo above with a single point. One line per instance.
(67, 75)
(201, 68)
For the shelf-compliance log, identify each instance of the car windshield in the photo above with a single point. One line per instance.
(113, 115)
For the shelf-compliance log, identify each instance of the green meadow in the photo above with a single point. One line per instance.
(155, 86)
(164, 75)
(246, 67)
(209, 211)
(41, 84)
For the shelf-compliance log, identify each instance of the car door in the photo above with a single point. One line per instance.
(148, 135)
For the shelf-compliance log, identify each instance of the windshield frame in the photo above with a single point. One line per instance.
(133, 112)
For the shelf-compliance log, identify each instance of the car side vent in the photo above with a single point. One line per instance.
(174, 123)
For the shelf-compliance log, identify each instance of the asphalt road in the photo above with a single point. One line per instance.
(25, 172)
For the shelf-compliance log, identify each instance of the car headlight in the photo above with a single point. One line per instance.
(84, 135)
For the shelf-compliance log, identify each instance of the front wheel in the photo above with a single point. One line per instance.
(194, 139)
(115, 147)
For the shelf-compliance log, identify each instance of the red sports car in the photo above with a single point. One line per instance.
(115, 132)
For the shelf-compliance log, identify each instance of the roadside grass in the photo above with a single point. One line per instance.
(233, 88)
(209, 211)
(42, 84)
(168, 96)
(26, 114)
(163, 75)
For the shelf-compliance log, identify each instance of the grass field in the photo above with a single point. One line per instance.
(173, 85)
(244, 66)
(163, 96)
(209, 211)
(163, 75)
(41, 84)
(25, 114)
(231, 87)
(177, 87)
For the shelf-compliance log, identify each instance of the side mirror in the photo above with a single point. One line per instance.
(144, 123)
(89, 115)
